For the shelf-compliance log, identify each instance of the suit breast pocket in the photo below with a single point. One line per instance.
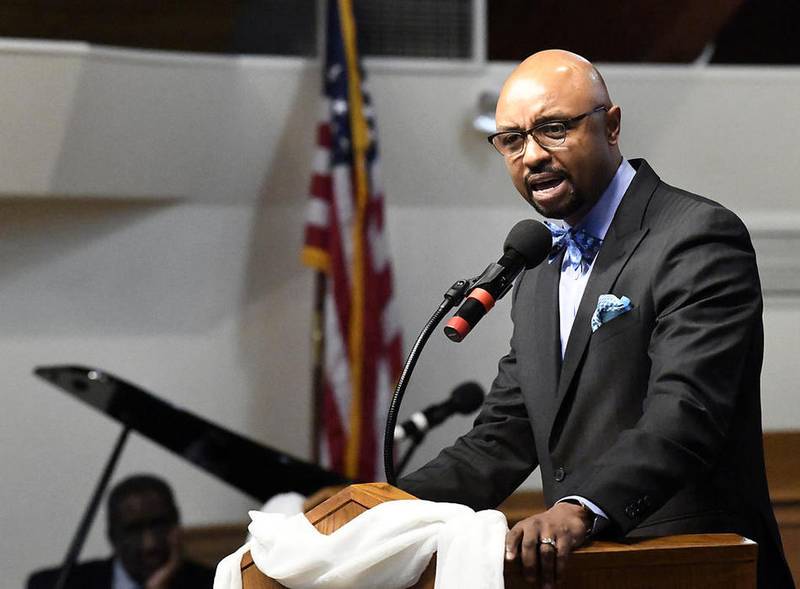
(616, 326)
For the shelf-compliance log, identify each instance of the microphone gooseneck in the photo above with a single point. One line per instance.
(453, 296)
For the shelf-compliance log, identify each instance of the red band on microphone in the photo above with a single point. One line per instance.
(483, 297)
(460, 326)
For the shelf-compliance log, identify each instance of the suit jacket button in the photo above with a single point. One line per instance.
(560, 474)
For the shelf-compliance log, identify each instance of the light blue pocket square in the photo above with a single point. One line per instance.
(608, 307)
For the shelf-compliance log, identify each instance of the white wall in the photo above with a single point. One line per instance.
(151, 216)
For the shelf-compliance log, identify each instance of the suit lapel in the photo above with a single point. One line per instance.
(622, 239)
(547, 359)
(610, 262)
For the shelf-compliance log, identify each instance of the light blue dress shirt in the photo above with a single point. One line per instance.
(121, 579)
(573, 280)
(597, 221)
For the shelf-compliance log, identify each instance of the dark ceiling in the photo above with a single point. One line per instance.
(660, 31)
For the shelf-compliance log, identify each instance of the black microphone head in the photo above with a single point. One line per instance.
(530, 239)
(466, 397)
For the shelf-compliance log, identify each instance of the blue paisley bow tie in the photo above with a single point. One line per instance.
(581, 246)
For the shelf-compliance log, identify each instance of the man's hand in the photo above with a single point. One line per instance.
(162, 577)
(544, 542)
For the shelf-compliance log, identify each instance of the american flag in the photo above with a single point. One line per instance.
(345, 238)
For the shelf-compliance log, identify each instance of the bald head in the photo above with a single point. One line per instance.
(557, 85)
(556, 77)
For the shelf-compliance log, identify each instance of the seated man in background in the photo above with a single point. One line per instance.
(144, 531)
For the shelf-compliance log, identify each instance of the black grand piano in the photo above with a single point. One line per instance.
(251, 467)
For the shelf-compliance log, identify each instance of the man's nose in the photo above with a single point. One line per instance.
(150, 539)
(533, 153)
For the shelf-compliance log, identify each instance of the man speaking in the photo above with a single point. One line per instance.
(632, 379)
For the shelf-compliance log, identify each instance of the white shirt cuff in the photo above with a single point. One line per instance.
(586, 503)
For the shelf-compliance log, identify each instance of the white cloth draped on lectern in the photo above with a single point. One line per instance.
(387, 546)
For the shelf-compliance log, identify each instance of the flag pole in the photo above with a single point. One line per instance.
(320, 284)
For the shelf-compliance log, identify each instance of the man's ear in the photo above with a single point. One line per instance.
(613, 124)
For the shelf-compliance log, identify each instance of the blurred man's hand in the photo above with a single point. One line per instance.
(163, 576)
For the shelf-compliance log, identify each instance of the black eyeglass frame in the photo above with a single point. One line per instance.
(566, 122)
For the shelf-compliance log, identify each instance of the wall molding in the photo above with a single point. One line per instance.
(776, 239)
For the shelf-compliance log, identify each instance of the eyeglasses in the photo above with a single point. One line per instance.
(548, 134)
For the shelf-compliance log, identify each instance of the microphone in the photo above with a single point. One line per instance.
(526, 246)
(464, 399)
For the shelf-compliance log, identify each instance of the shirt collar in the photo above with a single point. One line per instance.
(599, 218)
(121, 579)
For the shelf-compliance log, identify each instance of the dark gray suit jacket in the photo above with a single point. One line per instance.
(656, 416)
(99, 574)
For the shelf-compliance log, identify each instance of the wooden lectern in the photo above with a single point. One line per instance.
(706, 561)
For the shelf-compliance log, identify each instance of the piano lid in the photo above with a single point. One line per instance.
(251, 467)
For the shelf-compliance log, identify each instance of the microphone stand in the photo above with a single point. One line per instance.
(453, 296)
(415, 443)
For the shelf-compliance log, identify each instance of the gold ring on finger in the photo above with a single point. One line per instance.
(549, 541)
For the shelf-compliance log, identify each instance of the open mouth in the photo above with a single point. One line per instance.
(545, 184)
